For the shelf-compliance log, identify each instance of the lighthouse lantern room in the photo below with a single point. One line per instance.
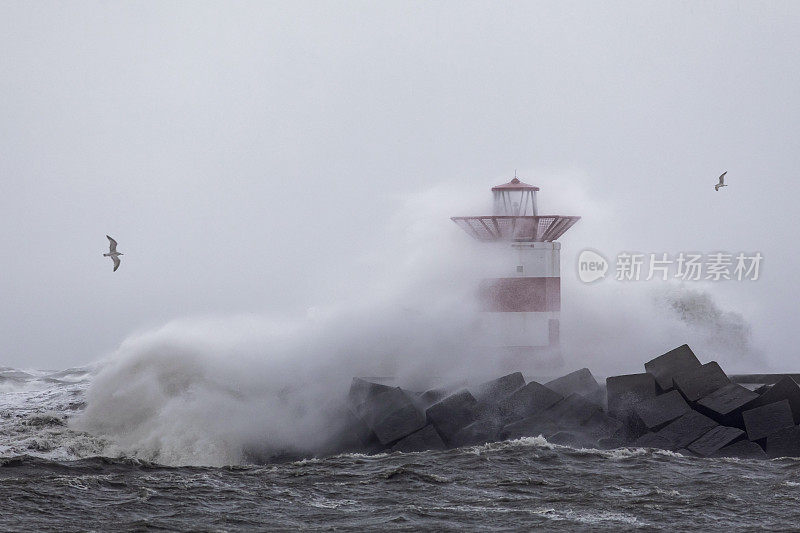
(515, 198)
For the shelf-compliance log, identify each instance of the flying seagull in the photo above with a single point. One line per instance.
(721, 181)
(112, 252)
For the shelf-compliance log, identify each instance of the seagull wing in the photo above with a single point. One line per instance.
(112, 245)
(722, 178)
(116, 262)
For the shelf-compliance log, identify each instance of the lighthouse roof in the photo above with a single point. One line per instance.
(545, 228)
(515, 185)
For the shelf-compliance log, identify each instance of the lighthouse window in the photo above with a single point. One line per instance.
(519, 268)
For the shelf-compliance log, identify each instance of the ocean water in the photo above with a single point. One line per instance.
(53, 477)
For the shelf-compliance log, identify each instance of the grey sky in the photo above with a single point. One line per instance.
(246, 155)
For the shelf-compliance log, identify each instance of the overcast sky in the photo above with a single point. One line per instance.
(248, 155)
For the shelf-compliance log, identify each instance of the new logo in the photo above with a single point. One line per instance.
(591, 266)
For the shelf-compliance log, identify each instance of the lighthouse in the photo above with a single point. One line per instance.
(520, 301)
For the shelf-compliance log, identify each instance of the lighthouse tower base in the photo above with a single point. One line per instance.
(521, 311)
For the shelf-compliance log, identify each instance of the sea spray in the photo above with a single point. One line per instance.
(206, 391)
(214, 390)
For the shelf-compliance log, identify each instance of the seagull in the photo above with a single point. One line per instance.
(112, 252)
(721, 181)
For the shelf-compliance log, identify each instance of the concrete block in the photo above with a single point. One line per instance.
(725, 405)
(624, 392)
(430, 397)
(487, 411)
(356, 426)
(378, 405)
(743, 449)
(497, 389)
(574, 410)
(716, 439)
(532, 426)
(424, 439)
(527, 401)
(568, 438)
(347, 433)
(701, 381)
(601, 426)
(655, 413)
(685, 430)
(392, 415)
(611, 443)
(602, 396)
(652, 440)
(453, 413)
(761, 422)
(762, 389)
(785, 389)
(361, 390)
(665, 367)
(479, 432)
(784, 443)
(579, 382)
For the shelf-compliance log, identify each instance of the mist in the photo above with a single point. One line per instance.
(248, 156)
(280, 178)
(219, 390)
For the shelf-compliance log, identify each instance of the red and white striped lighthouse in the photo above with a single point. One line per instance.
(521, 302)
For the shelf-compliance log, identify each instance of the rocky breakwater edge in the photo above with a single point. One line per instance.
(677, 404)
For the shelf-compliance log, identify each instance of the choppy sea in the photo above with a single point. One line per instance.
(53, 477)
